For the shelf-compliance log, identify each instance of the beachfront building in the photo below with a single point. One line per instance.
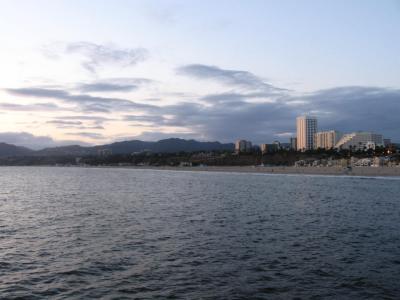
(360, 141)
(306, 129)
(249, 146)
(293, 143)
(326, 139)
(277, 145)
(269, 148)
(243, 146)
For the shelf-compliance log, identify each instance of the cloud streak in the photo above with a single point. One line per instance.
(91, 135)
(251, 108)
(31, 107)
(35, 142)
(236, 78)
(227, 117)
(87, 102)
(95, 56)
(114, 85)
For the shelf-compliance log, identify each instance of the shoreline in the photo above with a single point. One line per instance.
(285, 170)
(336, 171)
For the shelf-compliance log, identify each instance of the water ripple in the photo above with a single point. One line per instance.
(74, 233)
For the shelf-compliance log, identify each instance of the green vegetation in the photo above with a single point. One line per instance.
(210, 158)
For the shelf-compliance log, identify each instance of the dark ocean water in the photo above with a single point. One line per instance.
(75, 233)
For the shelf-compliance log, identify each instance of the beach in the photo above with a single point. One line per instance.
(355, 171)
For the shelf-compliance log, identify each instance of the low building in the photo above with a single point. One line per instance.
(363, 162)
(326, 139)
(277, 144)
(285, 146)
(370, 145)
(359, 141)
(269, 148)
(379, 161)
(242, 146)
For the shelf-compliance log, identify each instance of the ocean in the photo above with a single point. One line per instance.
(114, 233)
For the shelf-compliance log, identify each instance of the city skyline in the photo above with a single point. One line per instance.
(71, 76)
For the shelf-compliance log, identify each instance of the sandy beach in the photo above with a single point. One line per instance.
(355, 171)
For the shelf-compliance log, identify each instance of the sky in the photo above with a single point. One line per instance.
(94, 72)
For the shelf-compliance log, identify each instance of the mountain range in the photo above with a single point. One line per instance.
(126, 147)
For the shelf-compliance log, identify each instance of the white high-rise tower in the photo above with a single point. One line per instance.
(306, 128)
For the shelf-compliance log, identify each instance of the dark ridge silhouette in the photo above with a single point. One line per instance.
(170, 145)
(12, 150)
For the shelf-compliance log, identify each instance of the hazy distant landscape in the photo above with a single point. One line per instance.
(125, 147)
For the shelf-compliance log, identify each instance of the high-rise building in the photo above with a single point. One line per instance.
(326, 139)
(306, 128)
(293, 143)
(243, 146)
(360, 141)
(249, 146)
(264, 148)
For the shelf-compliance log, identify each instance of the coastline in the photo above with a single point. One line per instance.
(337, 171)
(285, 170)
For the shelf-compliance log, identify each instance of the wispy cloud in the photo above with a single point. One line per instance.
(113, 85)
(87, 102)
(344, 108)
(91, 135)
(251, 108)
(35, 142)
(31, 107)
(66, 124)
(62, 122)
(235, 78)
(96, 55)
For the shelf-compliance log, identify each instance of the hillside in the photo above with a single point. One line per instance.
(126, 147)
(12, 150)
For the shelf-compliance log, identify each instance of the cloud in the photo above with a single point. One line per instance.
(106, 87)
(95, 55)
(31, 107)
(251, 108)
(145, 118)
(86, 102)
(114, 85)
(355, 108)
(229, 116)
(92, 135)
(96, 119)
(95, 122)
(233, 97)
(61, 122)
(34, 142)
(285, 134)
(237, 78)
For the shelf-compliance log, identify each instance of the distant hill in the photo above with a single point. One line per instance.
(73, 150)
(165, 146)
(12, 150)
(126, 147)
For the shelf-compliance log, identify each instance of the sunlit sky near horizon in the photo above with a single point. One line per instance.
(93, 72)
